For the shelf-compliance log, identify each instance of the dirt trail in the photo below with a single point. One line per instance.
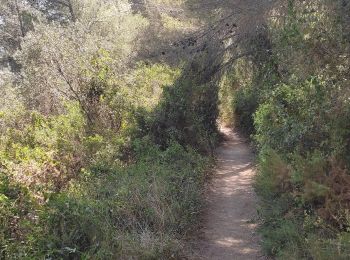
(229, 231)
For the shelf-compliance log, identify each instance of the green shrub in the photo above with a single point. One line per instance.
(294, 117)
(142, 210)
(245, 105)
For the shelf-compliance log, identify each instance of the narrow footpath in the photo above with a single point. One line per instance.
(229, 228)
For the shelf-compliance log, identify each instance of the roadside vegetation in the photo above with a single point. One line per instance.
(103, 154)
(291, 95)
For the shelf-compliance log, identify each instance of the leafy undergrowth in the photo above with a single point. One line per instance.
(310, 221)
(141, 210)
(103, 145)
(106, 187)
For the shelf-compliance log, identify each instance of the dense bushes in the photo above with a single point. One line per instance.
(293, 101)
(67, 192)
(295, 117)
(113, 172)
(141, 210)
(188, 115)
(102, 155)
(304, 207)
